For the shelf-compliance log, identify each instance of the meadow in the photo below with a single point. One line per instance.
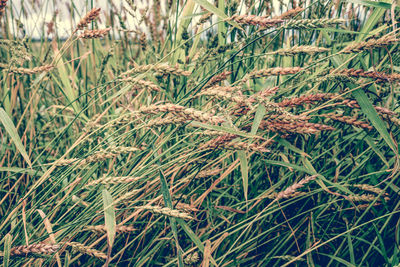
(211, 133)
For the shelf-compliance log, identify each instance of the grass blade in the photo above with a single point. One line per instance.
(109, 218)
(12, 131)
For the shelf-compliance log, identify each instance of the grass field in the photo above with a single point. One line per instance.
(212, 133)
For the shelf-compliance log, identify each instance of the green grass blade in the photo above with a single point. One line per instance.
(109, 217)
(373, 116)
(244, 168)
(6, 252)
(260, 112)
(12, 131)
(207, 5)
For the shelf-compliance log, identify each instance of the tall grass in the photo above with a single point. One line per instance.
(224, 133)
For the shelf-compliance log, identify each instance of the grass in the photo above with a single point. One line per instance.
(221, 133)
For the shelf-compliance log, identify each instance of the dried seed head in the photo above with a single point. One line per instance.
(207, 173)
(188, 113)
(370, 44)
(89, 17)
(312, 23)
(290, 13)
(305, 99)
(102, 229)
(218, 78)
(81, 248)
(143, 41)
(159, 68)
(363, 198)
(91, 34)
(98, 156)
(192, 258)
(166, 211)
(34, 248)
(256, 20)
(348, 120)
(288, 192)
(106, 180)
(32, 71)
(378, 76)
(306, 49)
(271, 72)
(370, 188)
(138, 83)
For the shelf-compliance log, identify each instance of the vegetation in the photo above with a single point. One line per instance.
(221, 133)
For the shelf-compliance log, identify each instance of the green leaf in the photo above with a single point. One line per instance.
(194, 237)
(260, 112)
(207, 5)
(168, 202)
(378, 4)
(109, 217)
(371, 143)
(244, 168)
(10, 128)
(373, 116)
(20, 170)
(7, 249)
(289, 165)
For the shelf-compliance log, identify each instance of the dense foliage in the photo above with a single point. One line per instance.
(229, 133)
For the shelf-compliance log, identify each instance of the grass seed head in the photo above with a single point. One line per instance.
(88, 18)
(91, 34)
(39, 248)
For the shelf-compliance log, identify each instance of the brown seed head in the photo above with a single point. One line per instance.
(90, 34)
(89, 17)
